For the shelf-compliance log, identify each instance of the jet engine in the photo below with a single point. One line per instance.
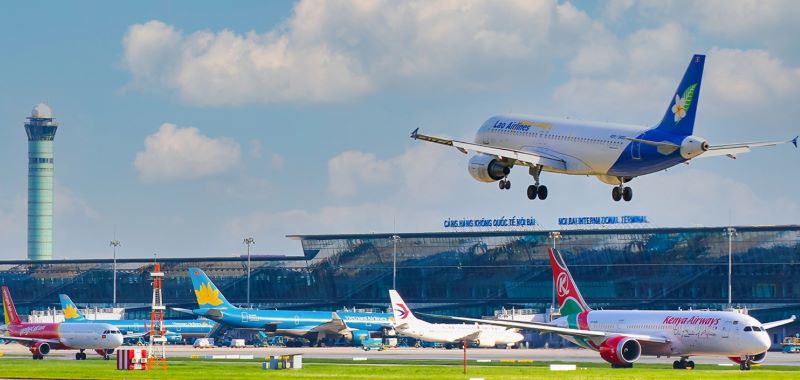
(486, 168)
(41, 348)
(486, 343)
(620, 350)
(756, 359)
(693, 146)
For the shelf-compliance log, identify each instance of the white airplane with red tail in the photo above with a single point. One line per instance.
(40, 338)
(623, 336)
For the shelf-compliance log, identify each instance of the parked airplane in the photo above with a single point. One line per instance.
(406, 324)
(177, 329)
(313, 325)
(614, 153)
(40, 338)
(622, 336)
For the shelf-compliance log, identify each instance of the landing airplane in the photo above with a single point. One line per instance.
(40, 338)
(614, 153)
(177, 329)
(313, 325)
(406, 324)
(623, 336)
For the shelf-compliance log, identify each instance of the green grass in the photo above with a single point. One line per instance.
(196, 369)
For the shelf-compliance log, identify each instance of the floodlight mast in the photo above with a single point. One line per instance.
(249, 241)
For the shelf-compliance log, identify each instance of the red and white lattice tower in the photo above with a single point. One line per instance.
(157, 348)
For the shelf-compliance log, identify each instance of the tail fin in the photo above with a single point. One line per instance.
(679, 118)
(9, 311)
(570, 300)
(208, 295)
(71, 312)
(402, 314)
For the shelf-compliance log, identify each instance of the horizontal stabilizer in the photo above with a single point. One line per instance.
(731, 150)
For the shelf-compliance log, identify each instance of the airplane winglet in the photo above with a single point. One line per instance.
(414, 134)
(794, 141)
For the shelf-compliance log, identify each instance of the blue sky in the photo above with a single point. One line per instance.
(186, 126)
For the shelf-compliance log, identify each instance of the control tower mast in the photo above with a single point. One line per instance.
(41, 128)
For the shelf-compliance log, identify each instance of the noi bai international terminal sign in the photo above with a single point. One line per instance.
(528, 222)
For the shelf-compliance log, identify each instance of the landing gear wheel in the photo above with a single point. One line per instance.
(77, 356)
(542, 192)
(744, 366)
(532, 192)
(106, 357)
(627, 194)
(83, 356)
(616, 194)
(504, 184)
(677, 365)
(690, 365)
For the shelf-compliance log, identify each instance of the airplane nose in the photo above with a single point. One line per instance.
(764, 341)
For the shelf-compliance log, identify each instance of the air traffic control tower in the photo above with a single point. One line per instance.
(41, 128)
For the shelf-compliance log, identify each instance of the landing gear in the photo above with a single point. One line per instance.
(683, 364)
(106, 357)
(536, 190)
(505, 184)
(622, 193)
(746, 363)
(80, 355)
(630, 365)
(38, 356)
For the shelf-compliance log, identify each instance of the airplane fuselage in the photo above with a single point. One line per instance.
(69, 335)
(185, 328)
(293, 323)
(587, 148)
(454, 333)
(689, 333)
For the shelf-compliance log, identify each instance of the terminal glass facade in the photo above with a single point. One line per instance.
(465, 273)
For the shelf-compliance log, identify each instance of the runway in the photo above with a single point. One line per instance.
(348, 353)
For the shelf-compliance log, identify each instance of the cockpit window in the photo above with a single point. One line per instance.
(748, 328)
(756, 328)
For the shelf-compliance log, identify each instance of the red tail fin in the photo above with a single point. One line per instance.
(9, 311)
(570, 300)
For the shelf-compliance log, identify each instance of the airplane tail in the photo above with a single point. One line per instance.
(570, 300)
(208, 295)
(679, 118)
(71, 312)
(402, 314)
(9, 311)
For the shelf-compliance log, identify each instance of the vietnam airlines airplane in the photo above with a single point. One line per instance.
(614, 153)
(313, 325)
(177, 329)
(406, 324)
(622, 336)
(40, 338)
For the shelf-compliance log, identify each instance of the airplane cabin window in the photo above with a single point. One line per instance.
(748, 328)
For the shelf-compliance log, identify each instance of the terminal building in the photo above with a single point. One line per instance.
(468, 273)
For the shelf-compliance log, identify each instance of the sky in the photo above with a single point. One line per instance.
(186, 126)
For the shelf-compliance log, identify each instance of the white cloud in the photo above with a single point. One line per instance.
(66, 202)
(750, 77)
(351, 171)
(175, 153)
(331, 51)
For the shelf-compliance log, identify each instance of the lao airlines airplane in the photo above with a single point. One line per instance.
(614, 153)
(40, 338)
(314, 325)
(406, 324)
(622, 336)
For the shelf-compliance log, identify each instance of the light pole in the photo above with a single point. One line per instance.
(395, 239)
(554, 235)
(248, 241)
(731, 232)
(114, 244)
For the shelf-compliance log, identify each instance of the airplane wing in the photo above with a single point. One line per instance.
(544, 327)
(29, 340)
(523, 158)
(731, 150)
(335, 325)
(769, 325)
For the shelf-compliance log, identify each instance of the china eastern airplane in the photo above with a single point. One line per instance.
(623, 336)
(313, 325)
(406, 324)
(177, 329)
(614, 153)
(40, 338)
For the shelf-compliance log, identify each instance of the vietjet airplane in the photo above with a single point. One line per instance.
(406, 324)
(622, 336)
(614, 153)
(40, 338)
(177, 329)
(313, 325)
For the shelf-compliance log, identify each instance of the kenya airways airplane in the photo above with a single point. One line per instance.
(406, 324)
(614, 153)
(40, 338)
(622, 336)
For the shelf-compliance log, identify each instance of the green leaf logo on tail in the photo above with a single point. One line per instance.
(682, 103)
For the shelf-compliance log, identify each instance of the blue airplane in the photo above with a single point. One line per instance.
(312, 325)
(177, 329)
